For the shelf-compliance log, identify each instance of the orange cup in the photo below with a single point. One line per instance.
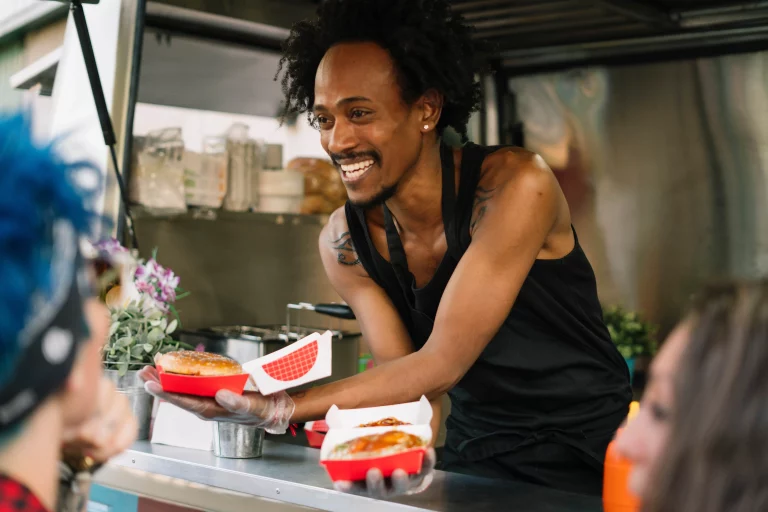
(616, 494)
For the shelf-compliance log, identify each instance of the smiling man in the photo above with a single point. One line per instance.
(460, 264)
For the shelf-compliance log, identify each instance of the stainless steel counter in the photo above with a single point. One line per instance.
(292, 475)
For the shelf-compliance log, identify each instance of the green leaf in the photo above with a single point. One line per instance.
(124, 342)
(113, 328)
(172, 326)
(148, 347)
(155, 335)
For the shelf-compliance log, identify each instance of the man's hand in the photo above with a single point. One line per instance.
(400, 484)
(111, 431)
(272, 413)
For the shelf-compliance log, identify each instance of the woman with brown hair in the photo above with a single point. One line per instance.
(700, 440)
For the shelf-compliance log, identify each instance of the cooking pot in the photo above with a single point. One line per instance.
(244, 343)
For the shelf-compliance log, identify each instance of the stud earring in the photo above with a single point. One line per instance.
(426, 127)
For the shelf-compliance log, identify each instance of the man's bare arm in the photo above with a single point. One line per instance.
(515, 227)
(379, 321)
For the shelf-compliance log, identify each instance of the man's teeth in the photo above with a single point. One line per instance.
(356, 169)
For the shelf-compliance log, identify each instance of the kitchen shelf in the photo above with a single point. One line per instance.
(205, 215)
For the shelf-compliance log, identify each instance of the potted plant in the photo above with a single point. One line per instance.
(141, 297)
(633, 336)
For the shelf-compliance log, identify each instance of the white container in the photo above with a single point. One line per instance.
(280, 191)
(304, 361)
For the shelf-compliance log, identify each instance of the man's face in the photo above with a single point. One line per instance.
(366, 127)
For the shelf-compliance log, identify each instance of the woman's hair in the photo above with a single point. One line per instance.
(432, 48)
(36, 188)
(717, 453)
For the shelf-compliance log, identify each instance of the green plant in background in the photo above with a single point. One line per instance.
(136, 335)
(633, 336)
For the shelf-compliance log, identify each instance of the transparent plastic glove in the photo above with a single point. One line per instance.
(272, 413)
(400, 484)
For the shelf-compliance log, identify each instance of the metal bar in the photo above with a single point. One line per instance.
(732, 14)
(635, 10)
(740, 7)
(478, 4)
(578, 54)
(133, 98)
(107, 129)
(213, 25)
(561, 26)
(516, 10)
(538, 18)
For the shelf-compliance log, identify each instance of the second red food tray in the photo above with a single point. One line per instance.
(201, 386)
(354, 470)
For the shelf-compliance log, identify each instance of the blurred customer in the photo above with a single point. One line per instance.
(700, 440)
(54, 399)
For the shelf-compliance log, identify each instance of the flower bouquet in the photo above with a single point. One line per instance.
(141, 297)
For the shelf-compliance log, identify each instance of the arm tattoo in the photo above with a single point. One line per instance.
(345, 251)
(480, 205)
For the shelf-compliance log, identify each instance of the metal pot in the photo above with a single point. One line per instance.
(132, 387)
(244, 343)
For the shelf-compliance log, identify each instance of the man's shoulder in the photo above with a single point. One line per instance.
(510, 163)
(511, 176)
(336, 244)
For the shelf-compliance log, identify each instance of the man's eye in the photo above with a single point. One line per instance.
(320, 121)
(356, 114)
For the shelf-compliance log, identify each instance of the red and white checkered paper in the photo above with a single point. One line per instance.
(294, 365)
(306, 360)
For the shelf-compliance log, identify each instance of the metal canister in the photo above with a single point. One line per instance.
(235, 441)
(131, 385)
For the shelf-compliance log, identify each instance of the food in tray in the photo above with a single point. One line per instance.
(386, 422)
(203, 364)
(376, 445)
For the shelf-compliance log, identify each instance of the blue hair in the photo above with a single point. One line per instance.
(36, 188)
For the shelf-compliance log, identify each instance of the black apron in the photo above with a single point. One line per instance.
(544, 398)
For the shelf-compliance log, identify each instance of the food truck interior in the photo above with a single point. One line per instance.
(650, 112)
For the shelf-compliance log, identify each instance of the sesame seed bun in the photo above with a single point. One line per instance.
(204, 364)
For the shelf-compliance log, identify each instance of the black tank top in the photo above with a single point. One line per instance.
(550, 373)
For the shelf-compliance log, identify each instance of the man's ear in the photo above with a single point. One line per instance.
(430, 107)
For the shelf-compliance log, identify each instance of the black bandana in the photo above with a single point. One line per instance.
(51, 337)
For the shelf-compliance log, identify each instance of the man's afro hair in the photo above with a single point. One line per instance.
(432, 48)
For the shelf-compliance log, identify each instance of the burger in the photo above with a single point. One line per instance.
(202, 364)
(377, 445)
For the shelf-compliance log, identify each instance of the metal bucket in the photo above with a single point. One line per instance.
(235, 441)
(132, 387)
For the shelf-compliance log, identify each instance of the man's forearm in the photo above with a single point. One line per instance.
(399, 381)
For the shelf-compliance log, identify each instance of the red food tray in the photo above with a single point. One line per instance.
(201, 386)
(355, 470)
(315, 439)
(316, 431)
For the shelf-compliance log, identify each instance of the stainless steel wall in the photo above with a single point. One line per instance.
(242, 269)
(664, 167)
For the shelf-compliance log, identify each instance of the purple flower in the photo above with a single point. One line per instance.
(110, 246)
(158, 282)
